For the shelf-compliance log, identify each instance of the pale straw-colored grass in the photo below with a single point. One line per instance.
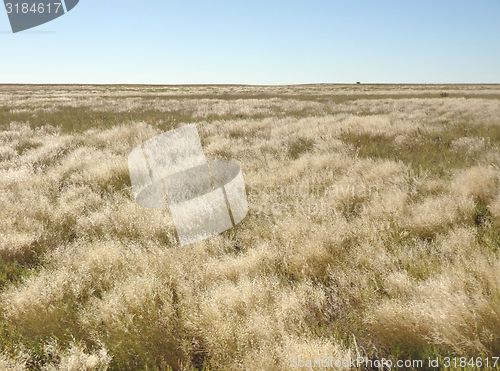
(304, 276)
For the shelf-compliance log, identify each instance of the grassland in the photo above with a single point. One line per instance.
(373, 228)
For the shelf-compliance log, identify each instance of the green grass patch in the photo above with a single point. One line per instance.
(299, 146)
(433, 152)
(12, 272)
(80, 119)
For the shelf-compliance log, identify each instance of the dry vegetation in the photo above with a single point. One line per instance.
(373, 228)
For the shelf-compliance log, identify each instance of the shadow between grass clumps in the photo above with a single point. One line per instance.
(488, 234)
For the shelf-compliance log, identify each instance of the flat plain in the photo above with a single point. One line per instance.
(372, 231)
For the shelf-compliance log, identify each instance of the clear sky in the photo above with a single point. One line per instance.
(259, 42)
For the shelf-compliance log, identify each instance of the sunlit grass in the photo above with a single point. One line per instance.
(90, 280)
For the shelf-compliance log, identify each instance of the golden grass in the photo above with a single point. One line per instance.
(372, 230)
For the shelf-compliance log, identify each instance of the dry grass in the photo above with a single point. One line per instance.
(372, 229)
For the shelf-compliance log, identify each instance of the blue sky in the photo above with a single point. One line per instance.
(259, 42)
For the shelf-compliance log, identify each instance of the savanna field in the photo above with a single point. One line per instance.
(372, 231)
